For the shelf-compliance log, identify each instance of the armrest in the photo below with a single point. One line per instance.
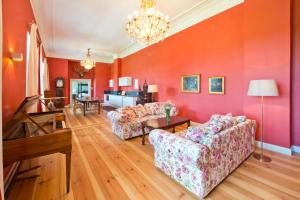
(180, 148)
(116, 117)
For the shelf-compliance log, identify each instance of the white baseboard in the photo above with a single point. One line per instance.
(272, 147)
(295, 149)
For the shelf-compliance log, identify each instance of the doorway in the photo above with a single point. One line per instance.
(80, 88)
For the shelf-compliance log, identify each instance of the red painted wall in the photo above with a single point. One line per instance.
(296, 73)
(17, 14)
(100, 75)
(116, 73)
(243, 43)
(267, 56)
(211, 48)
(59, 68)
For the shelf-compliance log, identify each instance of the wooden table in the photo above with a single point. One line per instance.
(87, 101)
(161, 123)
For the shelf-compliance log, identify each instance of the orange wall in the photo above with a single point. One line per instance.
(243, 43)
(296, 73)
(17, 14)
(99, 75)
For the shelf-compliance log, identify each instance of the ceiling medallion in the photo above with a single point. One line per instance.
(87, 62)
(149, 25)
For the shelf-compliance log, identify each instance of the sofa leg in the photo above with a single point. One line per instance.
(143, 140)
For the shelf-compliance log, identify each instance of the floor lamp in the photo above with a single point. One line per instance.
(262, 88)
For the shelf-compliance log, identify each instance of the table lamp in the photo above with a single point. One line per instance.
(262, 88)
(152, 89)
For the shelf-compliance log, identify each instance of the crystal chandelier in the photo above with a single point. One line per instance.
(149, 25)
(87, 62)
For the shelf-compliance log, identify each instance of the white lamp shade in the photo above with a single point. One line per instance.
(263, 88)
(152, 88)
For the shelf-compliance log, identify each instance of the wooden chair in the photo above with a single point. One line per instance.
(77, 105)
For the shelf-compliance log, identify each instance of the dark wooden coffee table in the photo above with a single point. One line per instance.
(161, 123)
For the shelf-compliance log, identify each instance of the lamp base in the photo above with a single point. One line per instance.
(261, 157)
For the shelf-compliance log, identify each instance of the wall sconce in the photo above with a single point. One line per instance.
(17, 57)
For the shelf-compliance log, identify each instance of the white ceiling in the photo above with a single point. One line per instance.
(69, 27)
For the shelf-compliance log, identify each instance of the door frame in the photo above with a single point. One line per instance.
(80, 79)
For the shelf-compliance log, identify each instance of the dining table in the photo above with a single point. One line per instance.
(88, 101)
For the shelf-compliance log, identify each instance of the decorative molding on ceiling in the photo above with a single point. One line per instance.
(97, 58)
(198, 13)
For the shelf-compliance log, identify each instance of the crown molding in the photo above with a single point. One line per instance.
(188, 18)
(99, 59)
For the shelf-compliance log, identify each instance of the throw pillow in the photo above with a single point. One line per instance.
(140, 111)
(153, 108)
(221, 122)
(240, 119)
(128, 112)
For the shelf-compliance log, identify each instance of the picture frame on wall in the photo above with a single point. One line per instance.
(190, 83)
(216, 85)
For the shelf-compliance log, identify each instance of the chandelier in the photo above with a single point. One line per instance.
(149, 25)
(87, 62)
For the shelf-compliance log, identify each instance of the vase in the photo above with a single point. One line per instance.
(168, 117)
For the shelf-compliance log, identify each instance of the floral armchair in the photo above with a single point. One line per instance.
(201, 165)
(127, 122)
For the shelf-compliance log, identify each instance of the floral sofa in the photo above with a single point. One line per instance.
(200, 157)
(127, 121)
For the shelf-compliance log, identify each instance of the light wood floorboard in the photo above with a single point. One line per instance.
(105, 167)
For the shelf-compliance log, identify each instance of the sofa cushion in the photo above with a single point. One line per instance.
(149, 117)
(199, 133)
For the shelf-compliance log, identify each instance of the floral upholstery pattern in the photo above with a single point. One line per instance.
(201, 166)
(140, 111)
(127, 122)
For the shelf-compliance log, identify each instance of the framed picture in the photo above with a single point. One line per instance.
(216, 85)
(190, 83)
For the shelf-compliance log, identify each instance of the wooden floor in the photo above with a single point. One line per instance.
(105, 167)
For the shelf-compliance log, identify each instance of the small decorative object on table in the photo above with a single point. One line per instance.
(168, 112)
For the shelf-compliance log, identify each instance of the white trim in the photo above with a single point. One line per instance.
(198, 13)
(295, 149)
(275, 148)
